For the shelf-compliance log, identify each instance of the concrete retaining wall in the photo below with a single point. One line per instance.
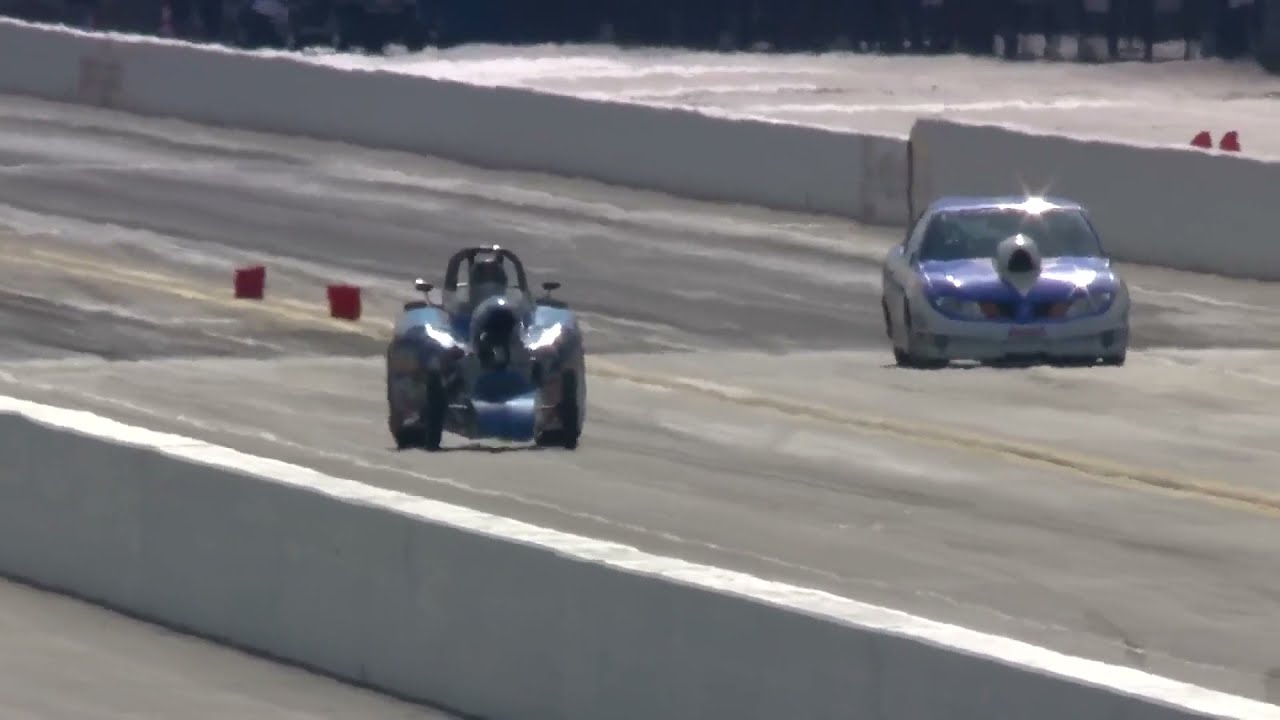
(674, 151)
(491, 616)
(1185, 208)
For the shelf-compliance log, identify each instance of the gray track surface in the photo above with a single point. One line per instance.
(133, 226)
(61, 659)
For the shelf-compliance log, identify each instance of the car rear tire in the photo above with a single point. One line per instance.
(433, 413)
(569, 412)
(406, 436)
(428, 430)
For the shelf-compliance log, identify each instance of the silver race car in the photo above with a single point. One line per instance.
(994, 279)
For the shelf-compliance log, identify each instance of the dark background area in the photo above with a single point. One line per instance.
(1122, 29)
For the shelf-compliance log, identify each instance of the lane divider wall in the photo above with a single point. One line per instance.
(667, 150)
(494, 617)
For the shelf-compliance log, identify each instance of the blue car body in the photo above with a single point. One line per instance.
(949, 292)
(438, 380)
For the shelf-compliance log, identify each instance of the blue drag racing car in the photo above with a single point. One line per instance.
(490, 361)
(1004, 279)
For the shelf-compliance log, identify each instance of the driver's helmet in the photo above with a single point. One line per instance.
(488, 279)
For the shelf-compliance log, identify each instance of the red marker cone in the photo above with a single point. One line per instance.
(1230, 142)
(1203, 140)
(251, 282)
(344, 302)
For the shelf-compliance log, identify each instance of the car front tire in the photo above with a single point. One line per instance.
(909, 358)
(1116, 360)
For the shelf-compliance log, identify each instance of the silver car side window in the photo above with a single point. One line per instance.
(917, 234)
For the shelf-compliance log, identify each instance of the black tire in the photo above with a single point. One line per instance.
(428, 431)
(432, 418)
(570, 412)
(909, 359)
(1116, 360)
(406, 436)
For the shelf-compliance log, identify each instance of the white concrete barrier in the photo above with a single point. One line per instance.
(494, 617)
(675, 151)
(1184, 208)
(1176, 207)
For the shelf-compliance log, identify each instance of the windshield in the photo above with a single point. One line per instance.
(966, 234)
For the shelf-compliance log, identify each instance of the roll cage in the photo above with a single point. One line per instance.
(468, 255)
(448, 292)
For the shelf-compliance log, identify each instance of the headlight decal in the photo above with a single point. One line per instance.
(1089, 303)
(968, 309)
(1080, 304)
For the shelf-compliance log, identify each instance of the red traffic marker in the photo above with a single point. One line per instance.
(1203, 140)
(251, 282)
(344, 302)
(1230, 142)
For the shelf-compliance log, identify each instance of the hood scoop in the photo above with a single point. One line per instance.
(1018, 263)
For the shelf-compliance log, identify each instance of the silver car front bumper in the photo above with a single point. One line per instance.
(1100, 336)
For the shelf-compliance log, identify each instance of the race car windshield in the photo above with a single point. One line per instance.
(969, 234)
